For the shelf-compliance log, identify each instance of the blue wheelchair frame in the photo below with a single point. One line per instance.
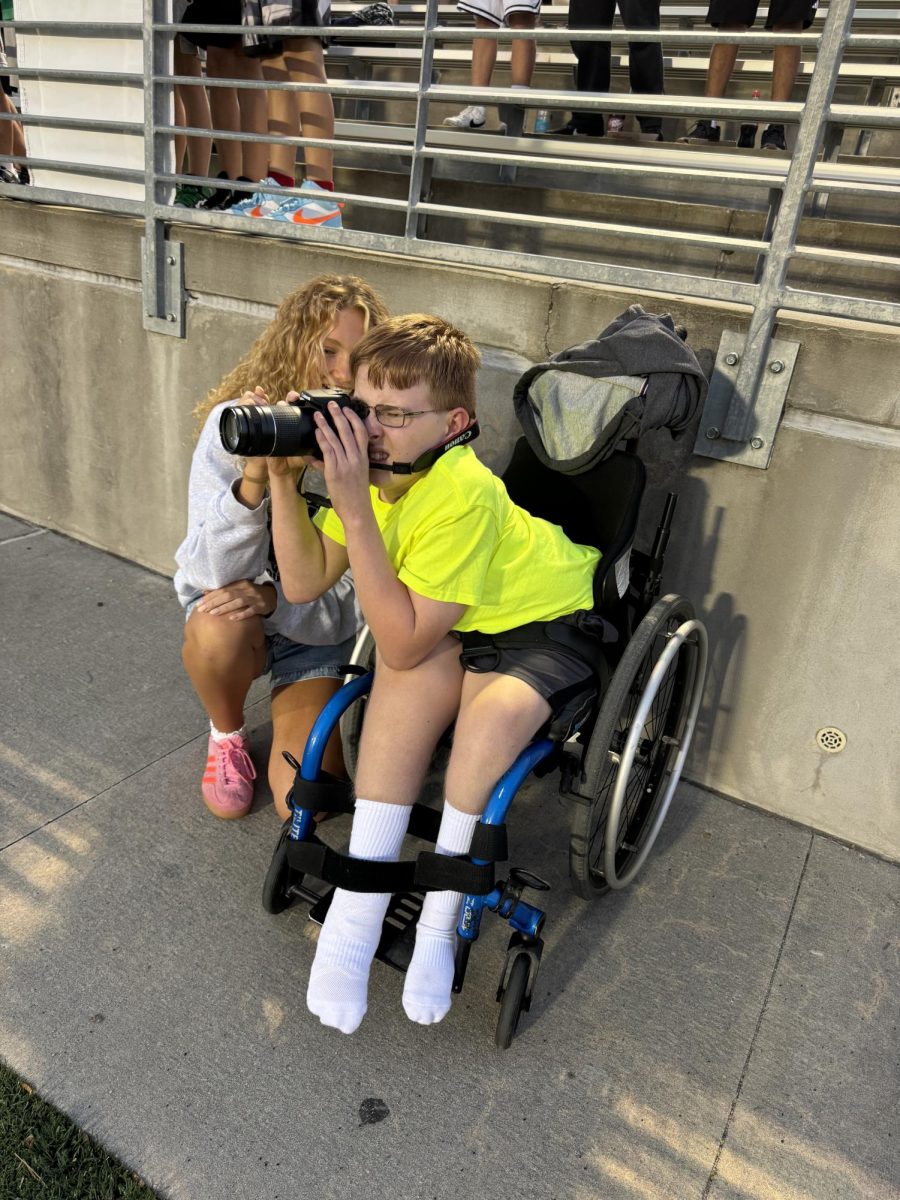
(523, 917)
(526, 920)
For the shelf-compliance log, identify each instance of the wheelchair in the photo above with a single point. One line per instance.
(618, 769)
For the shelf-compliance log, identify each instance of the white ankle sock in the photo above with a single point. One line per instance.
(429, 980)
(217, 736)
(338, 980)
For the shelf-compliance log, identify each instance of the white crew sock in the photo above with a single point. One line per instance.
(429, 980)
(338, 980)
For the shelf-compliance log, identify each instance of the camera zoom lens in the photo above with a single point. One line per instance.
(233, 428)
(257, 430)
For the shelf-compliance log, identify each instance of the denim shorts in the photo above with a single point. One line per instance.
(289, 662)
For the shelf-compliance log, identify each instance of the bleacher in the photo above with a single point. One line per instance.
(693, 198)
(693, 210)
(868, 76)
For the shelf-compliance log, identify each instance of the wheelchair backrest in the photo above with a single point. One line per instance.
(596, 508)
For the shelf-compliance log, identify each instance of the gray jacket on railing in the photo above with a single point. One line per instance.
(226, 541)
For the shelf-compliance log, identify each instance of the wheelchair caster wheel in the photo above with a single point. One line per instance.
(276, 893)
(512, 1001)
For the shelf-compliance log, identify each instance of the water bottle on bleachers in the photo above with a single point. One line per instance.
(747, 140)
(541, 121)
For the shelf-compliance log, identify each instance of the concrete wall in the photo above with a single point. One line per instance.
(795, 569)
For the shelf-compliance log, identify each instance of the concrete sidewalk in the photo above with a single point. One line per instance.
(727, 1028)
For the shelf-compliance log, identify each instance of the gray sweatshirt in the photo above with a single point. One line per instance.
(226, 541)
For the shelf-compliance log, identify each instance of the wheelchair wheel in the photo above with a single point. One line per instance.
(512, 1001)
(638, 748)
(279, 877)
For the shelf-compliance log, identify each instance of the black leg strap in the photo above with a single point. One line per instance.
(428, 872)
(325, 794)
(330, 794)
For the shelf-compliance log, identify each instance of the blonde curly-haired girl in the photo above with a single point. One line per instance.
(239, 626)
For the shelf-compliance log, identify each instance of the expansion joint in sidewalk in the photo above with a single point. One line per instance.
(21, 537)
(96, 795)
(762, 1012)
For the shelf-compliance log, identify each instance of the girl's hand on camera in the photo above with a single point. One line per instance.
(240, 600)
(345, 455)
(258, 472)
(280, 467)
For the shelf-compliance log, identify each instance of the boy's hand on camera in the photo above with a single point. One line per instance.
(240, 600)
(345, 455)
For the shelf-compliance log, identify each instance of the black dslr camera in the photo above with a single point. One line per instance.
(281, 430)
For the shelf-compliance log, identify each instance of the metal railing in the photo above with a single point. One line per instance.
(743, 426)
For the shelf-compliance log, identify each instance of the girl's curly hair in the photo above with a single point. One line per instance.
(288, 352)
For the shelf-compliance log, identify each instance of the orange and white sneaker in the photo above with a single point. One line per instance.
(315, 209)
(228, 780)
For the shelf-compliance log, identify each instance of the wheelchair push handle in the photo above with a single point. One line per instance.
(647, 568)
(661, 541)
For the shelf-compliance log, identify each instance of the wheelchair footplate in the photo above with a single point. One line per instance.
(398, 934)
(301, 859)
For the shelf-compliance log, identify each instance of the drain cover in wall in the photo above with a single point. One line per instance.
(831, 740)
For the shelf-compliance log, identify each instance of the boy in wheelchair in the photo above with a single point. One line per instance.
(480, 612)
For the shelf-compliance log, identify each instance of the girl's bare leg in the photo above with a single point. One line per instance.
(226, 115)
(222, 658)
(306, 64)
(294, 709)
(242, 109)
(180, 139)
(283, 118)
(12, 139)
(195, 105)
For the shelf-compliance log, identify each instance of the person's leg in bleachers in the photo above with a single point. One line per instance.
(592, 72)
(645, 59)
(241, 110)
(192, 110)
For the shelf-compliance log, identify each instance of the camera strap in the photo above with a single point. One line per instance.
(424, 461)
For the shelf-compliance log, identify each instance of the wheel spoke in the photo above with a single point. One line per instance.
(645, 786)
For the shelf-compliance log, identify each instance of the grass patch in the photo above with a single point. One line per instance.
(43, 1156)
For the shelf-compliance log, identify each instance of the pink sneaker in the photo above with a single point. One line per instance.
(228, 781)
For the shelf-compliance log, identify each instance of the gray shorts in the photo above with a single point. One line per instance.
(567, 673)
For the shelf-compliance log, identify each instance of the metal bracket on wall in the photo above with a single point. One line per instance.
(163, 285)
(755, 450)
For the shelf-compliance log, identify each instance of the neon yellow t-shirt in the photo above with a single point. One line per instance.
(456, 536)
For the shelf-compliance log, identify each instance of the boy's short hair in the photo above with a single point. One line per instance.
(419, 348)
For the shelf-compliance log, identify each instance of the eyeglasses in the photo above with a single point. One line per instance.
(389, 415)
